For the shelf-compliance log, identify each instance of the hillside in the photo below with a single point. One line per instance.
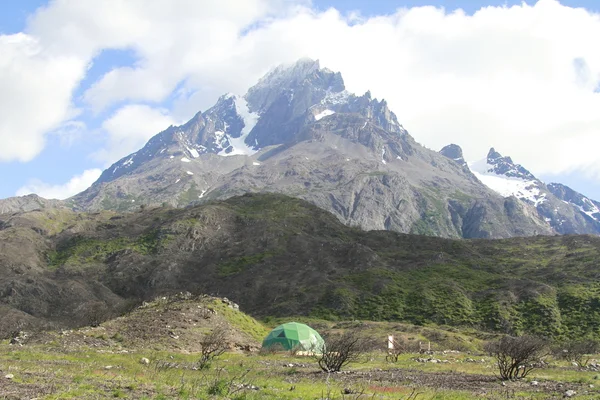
(280, 256)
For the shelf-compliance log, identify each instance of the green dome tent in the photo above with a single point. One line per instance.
(293, 335)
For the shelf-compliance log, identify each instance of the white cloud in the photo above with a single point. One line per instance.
(35, 94)
(129, 129)
(75, 185)
(519, 78)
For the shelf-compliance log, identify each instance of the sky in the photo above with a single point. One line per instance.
(84, 83)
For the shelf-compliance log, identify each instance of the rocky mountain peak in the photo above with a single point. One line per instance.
(494, 155)
(299, 132)
(304, 79)
(505, 166)
(453, 152)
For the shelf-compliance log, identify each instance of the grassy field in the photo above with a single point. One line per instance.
(48, 371)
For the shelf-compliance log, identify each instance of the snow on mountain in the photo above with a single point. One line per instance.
(238, 146)
(508, 179)
(584, 204)
(323, 114)
(193, 152)
(292, 107)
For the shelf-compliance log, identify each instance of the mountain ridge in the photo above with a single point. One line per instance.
(310, 138)
(566, 210)
(299, 132)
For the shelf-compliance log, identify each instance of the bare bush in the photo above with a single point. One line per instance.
(212, 345)
(337, 351)
(580, 351)
(517, 356)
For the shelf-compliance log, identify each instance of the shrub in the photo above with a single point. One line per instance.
(212, 345)
(516, 356)
(338, 351)
(578, 351)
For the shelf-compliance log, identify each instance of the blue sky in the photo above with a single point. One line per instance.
(378, 7)
(110, 120)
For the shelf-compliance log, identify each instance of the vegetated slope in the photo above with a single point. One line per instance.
(281, 256)
(177, 322)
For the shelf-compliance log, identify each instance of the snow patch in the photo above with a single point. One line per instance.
(185, 159)
(590, 210)
(172, 157)
(323, 114)
(255, 163)
(202, 194)
(383, 156)
(238, 145)
(193, 152)
(128, 162)
(507, 186)
(177, 181)
(189, 172)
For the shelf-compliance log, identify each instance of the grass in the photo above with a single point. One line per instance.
(50, 373)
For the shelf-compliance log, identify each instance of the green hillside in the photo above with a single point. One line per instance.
(278, 256)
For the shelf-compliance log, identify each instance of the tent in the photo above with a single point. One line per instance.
(294, 335)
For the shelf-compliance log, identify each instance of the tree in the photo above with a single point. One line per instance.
(337, 351)
(212, 345)
(516, 356)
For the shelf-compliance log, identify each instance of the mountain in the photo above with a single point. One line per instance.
(564, 209)
(585, 205)
(299, 132)
(28, 203)
(280, 256)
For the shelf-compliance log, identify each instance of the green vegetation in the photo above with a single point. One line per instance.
(238, 264)
(82, 251)
(44, 372)
(189, 196)
(278, 256)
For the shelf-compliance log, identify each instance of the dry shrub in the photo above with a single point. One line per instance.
(339, 350)
(517, 356)
(580, 351)
(212, 345)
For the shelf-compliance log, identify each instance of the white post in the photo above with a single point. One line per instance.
(390, 342)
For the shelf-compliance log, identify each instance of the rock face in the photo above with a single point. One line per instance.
(454, 152)
(585, 205)
(564, 209)
(505, 166)
(300, 133)
(27, 203)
